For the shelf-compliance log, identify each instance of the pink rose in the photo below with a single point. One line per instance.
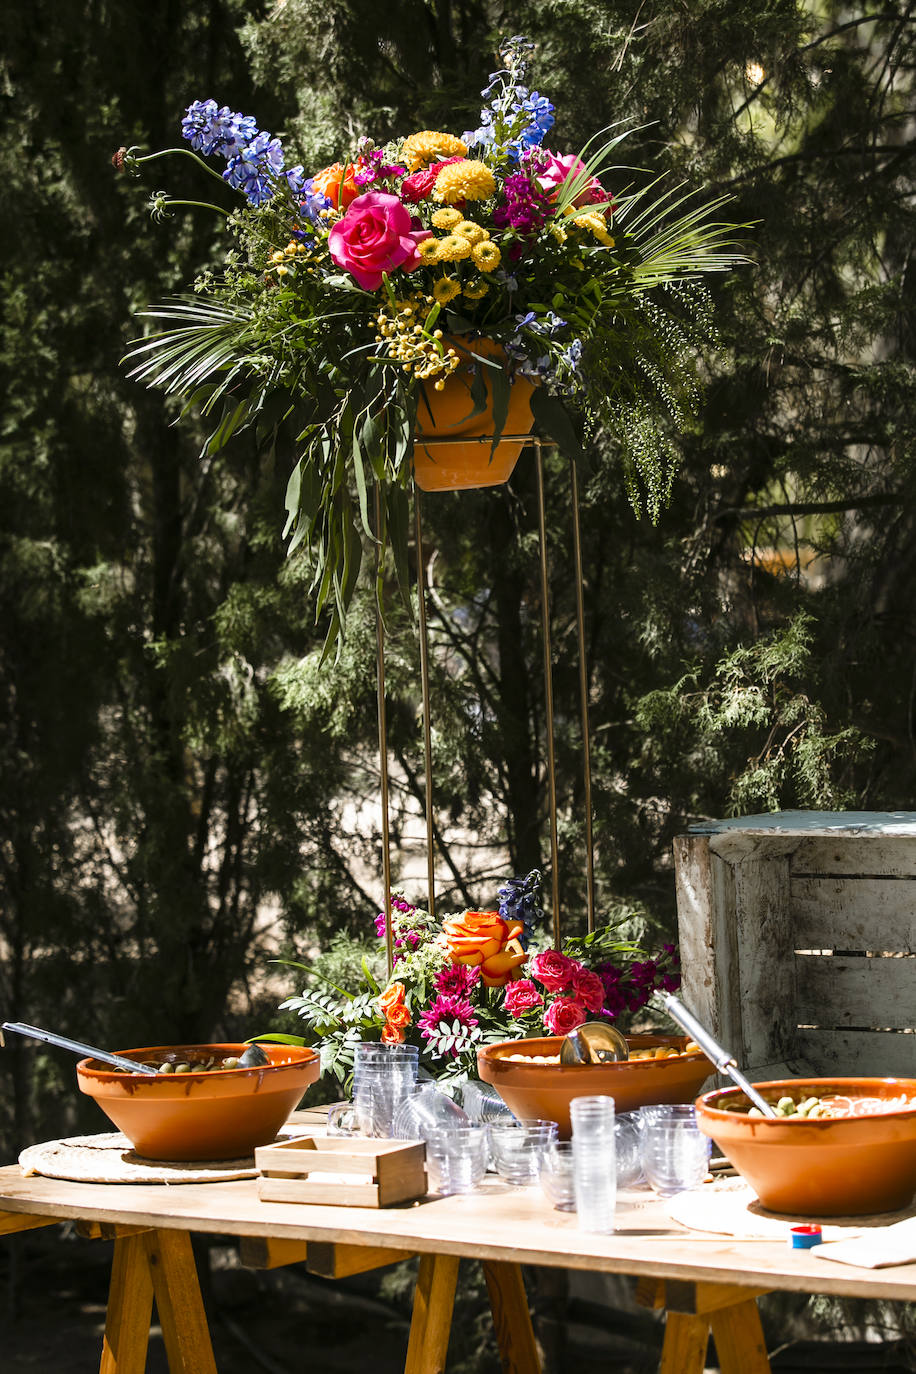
(552, 176)
(376, 235)
(564, 1015)
(553, 969)
(589, 989)
(521, 996)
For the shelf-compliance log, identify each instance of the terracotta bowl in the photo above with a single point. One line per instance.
(828, 1167)
(222, 1114)
(546, 1090)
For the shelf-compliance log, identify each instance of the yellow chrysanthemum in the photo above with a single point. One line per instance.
(446, 289)
(426, 147)
(476, 290)
(596, 225)
(474, 233)
(486, 256)
(446, 218)
(464, 181)
(453, 248)
(428, 250)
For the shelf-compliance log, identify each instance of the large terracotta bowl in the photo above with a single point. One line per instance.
(546, 1090)
(221, 1114)
(828, 1167)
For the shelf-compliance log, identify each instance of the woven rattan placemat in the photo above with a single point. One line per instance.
(109, 1158)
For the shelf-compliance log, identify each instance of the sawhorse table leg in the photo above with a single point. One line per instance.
(695, 1309)
(434, 1297)
(158, 1264)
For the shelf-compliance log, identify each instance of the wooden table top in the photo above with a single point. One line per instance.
(496, 1222)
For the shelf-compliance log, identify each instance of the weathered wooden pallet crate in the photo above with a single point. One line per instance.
(797, 937)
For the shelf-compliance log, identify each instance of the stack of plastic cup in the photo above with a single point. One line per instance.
(383, 1076)
(594, 1162)
(675, 1153)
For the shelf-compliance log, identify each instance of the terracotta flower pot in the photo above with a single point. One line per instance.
(826, 1167)
(221, 1114)
(545, 1091)
(464, 461)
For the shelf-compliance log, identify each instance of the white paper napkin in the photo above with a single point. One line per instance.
(874, 1249)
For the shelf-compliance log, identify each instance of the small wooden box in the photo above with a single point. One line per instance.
(360, 1172)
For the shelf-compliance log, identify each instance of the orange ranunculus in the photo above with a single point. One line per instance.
(391, 1035)
(393, 996)
(496, 971)
(481, 938)
(398, 1016)
(337, 184)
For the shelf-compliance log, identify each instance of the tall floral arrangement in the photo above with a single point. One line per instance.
(477, 977)
(353, 289)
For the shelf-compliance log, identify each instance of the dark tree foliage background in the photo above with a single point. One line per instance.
(181, 787)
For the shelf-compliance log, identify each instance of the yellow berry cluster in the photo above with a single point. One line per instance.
(280, 260)
(463, 241)
(405, 341)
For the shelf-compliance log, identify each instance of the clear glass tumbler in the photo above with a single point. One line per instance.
(515, 1146)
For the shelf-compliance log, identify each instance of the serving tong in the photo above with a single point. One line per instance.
(723, 1060)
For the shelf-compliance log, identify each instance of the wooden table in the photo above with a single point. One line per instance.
(704, 1282)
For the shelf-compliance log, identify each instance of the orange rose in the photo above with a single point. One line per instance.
(393, 996)
(397, 1016)
(482, 939)
(336, 183)
(392, 1036)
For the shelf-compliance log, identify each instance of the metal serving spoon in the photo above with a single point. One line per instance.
(253, 1057)
(724, 1062)
(594, 1043)
(85, 1051)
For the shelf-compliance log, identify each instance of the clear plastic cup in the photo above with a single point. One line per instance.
(456, 1158)
(675, 1153)
(515, 1146)
(627, 1149)
(424, 1111)
(555, 1174)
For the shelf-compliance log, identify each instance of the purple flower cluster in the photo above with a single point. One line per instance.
(405, 939)
(631, 991)
(255, 160)
(376, 168)
(525, 206)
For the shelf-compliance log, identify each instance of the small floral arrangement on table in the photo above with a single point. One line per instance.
(478, 977)
(351, 288)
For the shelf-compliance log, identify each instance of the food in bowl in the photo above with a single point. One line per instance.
(206, 1111)
(532, 1082)
(856, 1159)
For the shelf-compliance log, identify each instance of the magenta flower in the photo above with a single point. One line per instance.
(525, 206)
(521, 996)
(449, 1010)
(456, 980)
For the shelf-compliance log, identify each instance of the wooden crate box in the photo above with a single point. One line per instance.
(797, 934)
(344, 1171)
